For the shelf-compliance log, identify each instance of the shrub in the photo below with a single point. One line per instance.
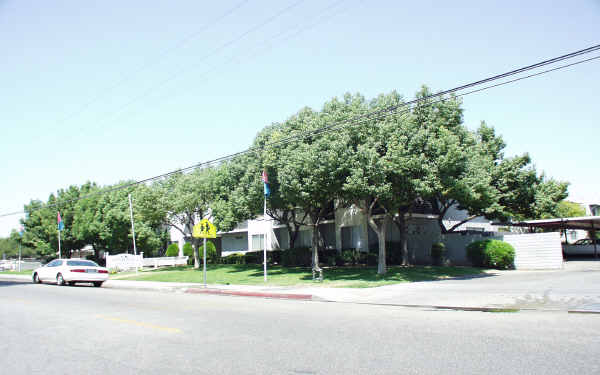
(438, 253)
(188, 251)
(491, 254)
(274, 256)
(296, 257)
(353, 257)
(233, 259)
(211, 252)
(254, 257)
(331, 261)
(172, 250)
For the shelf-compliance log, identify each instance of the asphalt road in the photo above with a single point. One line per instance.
(85, 330)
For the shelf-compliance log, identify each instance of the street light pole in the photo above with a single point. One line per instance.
(133, 233)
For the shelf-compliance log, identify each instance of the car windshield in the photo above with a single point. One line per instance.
(88, 263)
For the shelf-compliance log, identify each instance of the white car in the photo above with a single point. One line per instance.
(582, 247)
(71, 271)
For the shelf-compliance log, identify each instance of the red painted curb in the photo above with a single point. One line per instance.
(250, 294)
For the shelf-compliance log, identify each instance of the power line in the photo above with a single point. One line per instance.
(235, 59)
(213, 52)
(374, 115)
(151, 62)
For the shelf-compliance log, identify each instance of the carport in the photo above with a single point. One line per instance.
(589, 223)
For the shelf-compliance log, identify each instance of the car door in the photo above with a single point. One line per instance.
(43, 271)
(47, 273)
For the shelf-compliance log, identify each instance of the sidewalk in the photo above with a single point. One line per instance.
(575, 289)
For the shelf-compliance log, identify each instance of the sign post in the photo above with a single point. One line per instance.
(204, 229)
(20, 242)
(61, 226)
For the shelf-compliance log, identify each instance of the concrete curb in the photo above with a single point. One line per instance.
(250, 294)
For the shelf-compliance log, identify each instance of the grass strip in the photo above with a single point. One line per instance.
(349, 277)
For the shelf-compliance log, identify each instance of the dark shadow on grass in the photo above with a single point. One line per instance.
(399, 274)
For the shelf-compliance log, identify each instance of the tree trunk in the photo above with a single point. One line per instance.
(196, 243)
(400, 221)
(315, 245)
(380, 231)
(293, 231)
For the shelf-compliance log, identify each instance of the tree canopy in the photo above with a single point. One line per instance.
(380, 156)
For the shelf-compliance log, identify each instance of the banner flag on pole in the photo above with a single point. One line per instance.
(265, 179)
(61, 225)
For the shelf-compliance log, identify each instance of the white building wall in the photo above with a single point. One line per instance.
(261, 226)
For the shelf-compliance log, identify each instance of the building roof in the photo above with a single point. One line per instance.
(583, 222)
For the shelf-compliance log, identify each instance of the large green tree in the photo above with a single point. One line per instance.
(103, 220)
(265, 158)
(182, 200)
(310, 170)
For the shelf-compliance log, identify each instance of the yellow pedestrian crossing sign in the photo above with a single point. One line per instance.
(204, 229)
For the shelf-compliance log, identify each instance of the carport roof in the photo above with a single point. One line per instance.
(584, 222)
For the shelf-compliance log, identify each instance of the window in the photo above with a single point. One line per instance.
(88, 263)
(258, 241)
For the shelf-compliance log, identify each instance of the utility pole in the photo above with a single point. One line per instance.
(133, 233)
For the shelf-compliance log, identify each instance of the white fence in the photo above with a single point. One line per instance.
(536, 251)
(165, 261)
(129, 261)
(533, 251)
(13, 265)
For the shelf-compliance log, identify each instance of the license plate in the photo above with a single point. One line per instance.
(92, 271)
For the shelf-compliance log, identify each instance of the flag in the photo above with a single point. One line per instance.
(265, 180)
(61, 225)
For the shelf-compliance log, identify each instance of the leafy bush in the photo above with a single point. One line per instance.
(331, 257)
(331, 261)
(188, 251)
(172, 250)
(254, 257)
(491, 254)
(233, 259)
(274, 256)
(211, 252)
(354, 257)
(296, 257)
(438, 253)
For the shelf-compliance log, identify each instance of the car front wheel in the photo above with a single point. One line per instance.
(36, 279)
(98, 284)
(60, 280)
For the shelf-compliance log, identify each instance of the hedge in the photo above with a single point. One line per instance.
(491, 254)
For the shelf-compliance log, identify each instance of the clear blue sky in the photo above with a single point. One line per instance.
(112, 90)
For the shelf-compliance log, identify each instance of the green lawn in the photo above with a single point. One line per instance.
(340, 277)
(24, 272)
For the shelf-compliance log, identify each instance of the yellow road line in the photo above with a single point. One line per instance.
(139, 324)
